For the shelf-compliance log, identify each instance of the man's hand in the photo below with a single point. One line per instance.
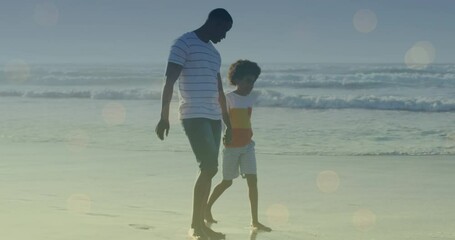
(227, 136)
(161, 127)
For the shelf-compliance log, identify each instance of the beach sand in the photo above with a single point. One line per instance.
(71, 191)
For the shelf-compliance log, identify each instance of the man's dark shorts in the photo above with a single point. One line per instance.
(204, 135)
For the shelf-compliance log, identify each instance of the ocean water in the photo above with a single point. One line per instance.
(303, 109)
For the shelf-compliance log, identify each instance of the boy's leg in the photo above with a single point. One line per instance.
(217, 191)
(253, 195)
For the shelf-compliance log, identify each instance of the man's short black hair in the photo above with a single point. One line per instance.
(219, 14)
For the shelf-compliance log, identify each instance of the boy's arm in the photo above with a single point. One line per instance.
(224, 111)
(173, 71)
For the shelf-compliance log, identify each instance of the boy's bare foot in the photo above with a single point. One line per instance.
(197, 234)
(212, 234)
(260, 227)
(209, 218)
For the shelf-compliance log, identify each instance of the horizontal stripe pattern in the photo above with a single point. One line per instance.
(198, 83)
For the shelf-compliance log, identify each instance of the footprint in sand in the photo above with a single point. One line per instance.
(141, 226)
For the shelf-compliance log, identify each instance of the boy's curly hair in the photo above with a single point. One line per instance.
(242, 68)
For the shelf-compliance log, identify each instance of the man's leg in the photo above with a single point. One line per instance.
(200, 196)
(212, 166)
(204, 143)
(202, 192)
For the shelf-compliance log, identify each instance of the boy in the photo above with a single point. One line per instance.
(239, 155)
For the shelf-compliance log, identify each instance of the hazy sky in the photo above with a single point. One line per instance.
(264, 30)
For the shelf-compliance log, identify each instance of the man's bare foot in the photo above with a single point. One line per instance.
(260, 227)
(212, 234)
(197, 234)
(209, 218)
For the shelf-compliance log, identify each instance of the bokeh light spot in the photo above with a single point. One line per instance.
(173, 116)
(114, 114)
(420, 55)
(365, 21)
(17, 71)
(46, 14)
(450, 141)
(364, 219)
(77, 140)
(79, 204)
(328, 181)
(278, 214)
(301, 32)
(451, 136)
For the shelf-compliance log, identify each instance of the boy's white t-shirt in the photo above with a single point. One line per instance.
(240, 109)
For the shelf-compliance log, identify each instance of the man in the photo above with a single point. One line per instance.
(196, 63)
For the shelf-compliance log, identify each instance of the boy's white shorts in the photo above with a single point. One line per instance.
(241, 160)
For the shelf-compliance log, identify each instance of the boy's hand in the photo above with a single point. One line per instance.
(161, 127)
(227, 136)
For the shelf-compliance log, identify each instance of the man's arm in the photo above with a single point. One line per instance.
(224, 111)
(173, 71)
